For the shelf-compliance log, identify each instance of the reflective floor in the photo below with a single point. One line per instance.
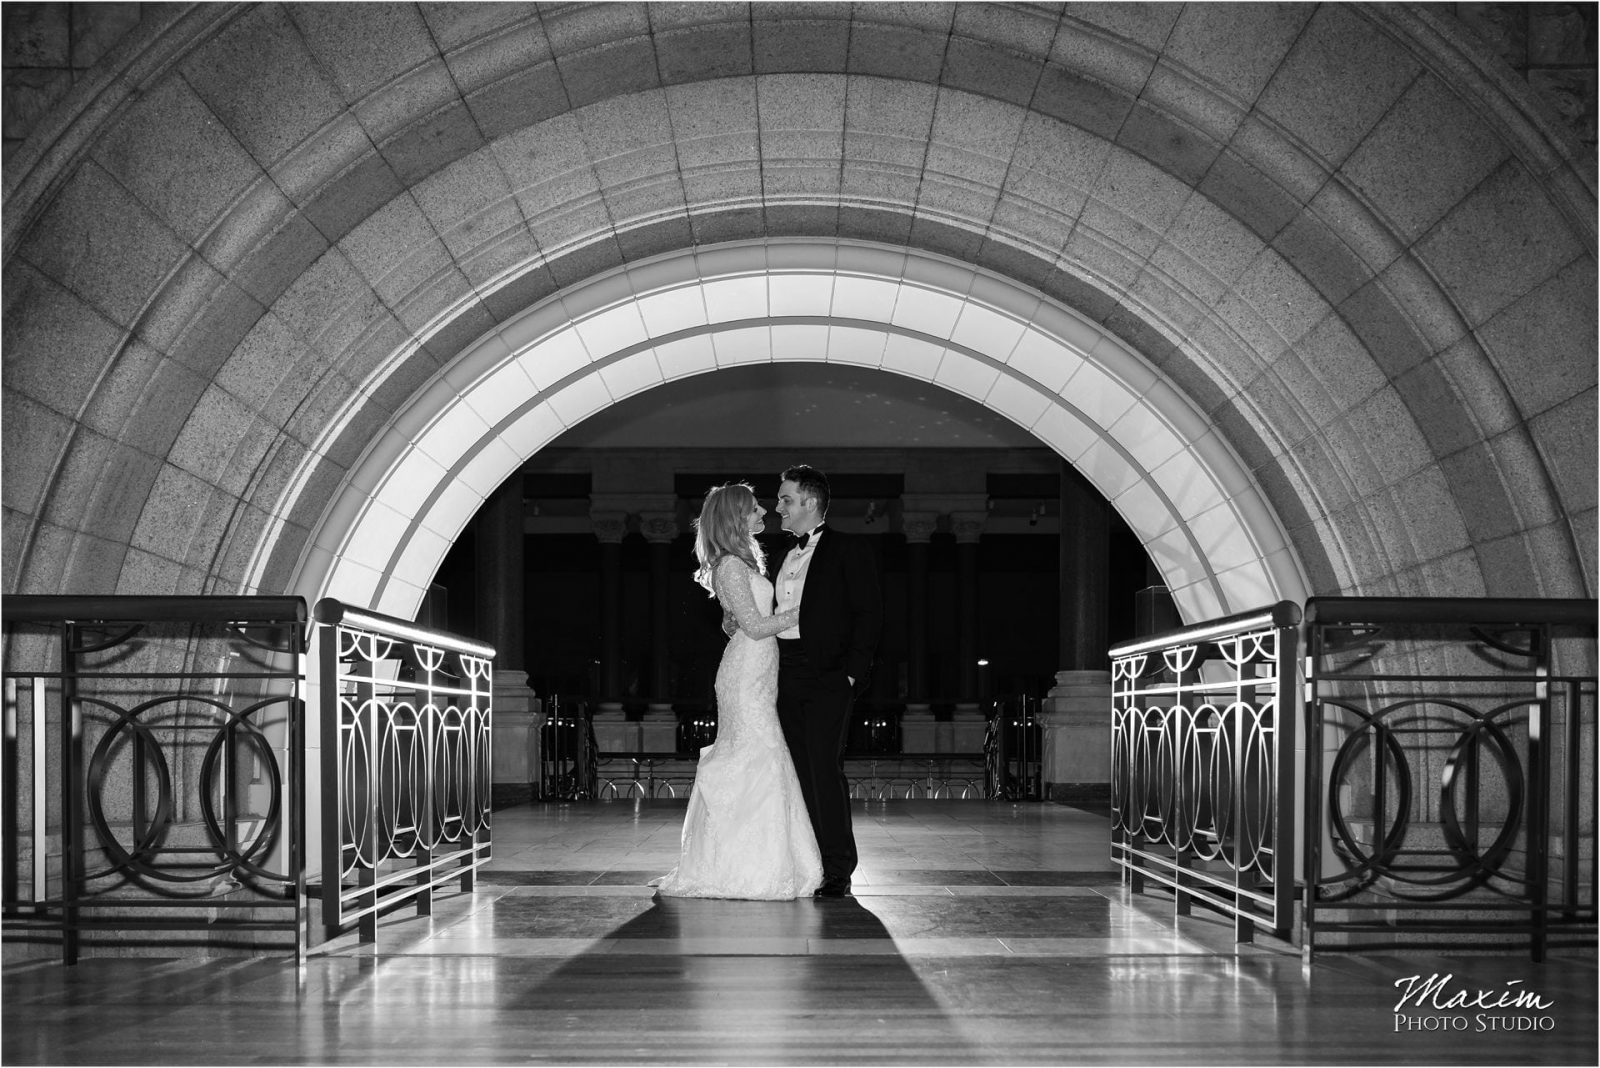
(979, 934)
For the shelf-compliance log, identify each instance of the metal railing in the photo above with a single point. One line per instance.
(1202, 765)
(1451, 759)
(407, 768)
(153, 781)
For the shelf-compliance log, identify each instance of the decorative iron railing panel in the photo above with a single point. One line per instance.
(153, 778)
(1203, 765)
(407, 766)
(1452, 765)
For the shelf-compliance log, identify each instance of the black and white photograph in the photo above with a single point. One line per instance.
(799, 533)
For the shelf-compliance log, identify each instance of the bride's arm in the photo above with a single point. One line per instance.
(733, 591)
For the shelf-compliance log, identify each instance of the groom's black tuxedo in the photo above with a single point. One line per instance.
(841, 614)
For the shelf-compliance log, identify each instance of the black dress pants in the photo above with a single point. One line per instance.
(814, 712)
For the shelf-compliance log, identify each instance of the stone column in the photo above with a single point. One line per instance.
(660, 726)
(498, 535)
(918, 733)
(1077, 715)
(610, 727)
(500, 620)
(969, 722)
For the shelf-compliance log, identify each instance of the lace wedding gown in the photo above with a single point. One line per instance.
(746, 833)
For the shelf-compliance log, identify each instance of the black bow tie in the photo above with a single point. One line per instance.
(804, 539)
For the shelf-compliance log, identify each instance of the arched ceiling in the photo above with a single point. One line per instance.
(262, 231)
(797, 404)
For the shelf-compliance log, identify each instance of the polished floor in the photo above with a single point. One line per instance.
(980, 933)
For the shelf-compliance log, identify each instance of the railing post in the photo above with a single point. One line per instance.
(71, 795)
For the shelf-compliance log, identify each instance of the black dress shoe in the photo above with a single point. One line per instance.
(833, 888)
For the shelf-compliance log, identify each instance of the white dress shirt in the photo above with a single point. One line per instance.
(791, 583)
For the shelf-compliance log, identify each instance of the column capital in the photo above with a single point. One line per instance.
(968, 526)
(918, 527)
(609, 524)
(658, 528)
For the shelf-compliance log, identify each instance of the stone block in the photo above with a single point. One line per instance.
(284, 253)
(715, 224)
(1434, 515)
(97, 28)
(45, 562)
(988, 70)
(586, 260)
(350, 197)
(175, 506)
(454, 24)
(467, 326)
(1287, 303)
(1341, 362)
(609, 70)
(363, 358)
(666, 235)
(431, 143)
(1586, 537)
(30, 94)
(1510, 222)
(361, 46)
(871, 224)
(1565, 438)
(258, 77)
(579, 27)
(1503, 27)
(327, 290)
(1429, 122)
(519, 100)
(1318, 252)
(36, 35)
(802, 220)
(171, 153)
(548, 167)
(897, 53)
(199, 317)
(1385, 329)
(405, 380)
(780, 44)
(422, 90)
(1509, 569)
(707, 51)
(32, 439)
(1390, 434)
(1235, 46)
(1544, 345)
(1178, 148)
(56, 346)
(524, 291)
(1092, 105)
(1076, 725)
(940, 237)
(1440, 413)
(1247, 194)
(145, 573)
(1342, 75)
(107, 493)
(421, 307)
(68, 243)
(212, 430)
(93, 565)
(1481, 491)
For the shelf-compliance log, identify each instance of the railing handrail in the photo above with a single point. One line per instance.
(1282, 614)
(1515, 610)
(154, 608)
(334, 612)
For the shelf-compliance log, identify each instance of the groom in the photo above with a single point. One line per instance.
(824, 661)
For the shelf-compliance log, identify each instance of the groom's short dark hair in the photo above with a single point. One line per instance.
(810, 482)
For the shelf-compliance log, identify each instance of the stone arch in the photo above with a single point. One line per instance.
(1404, 368)
(1068, 382)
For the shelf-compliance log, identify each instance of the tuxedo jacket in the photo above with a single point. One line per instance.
(841, 607)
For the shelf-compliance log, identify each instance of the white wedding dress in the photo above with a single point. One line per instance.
(746, 833)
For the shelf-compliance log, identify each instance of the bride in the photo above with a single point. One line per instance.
(746, 833)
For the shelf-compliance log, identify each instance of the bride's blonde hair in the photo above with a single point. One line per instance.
(723, 529)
